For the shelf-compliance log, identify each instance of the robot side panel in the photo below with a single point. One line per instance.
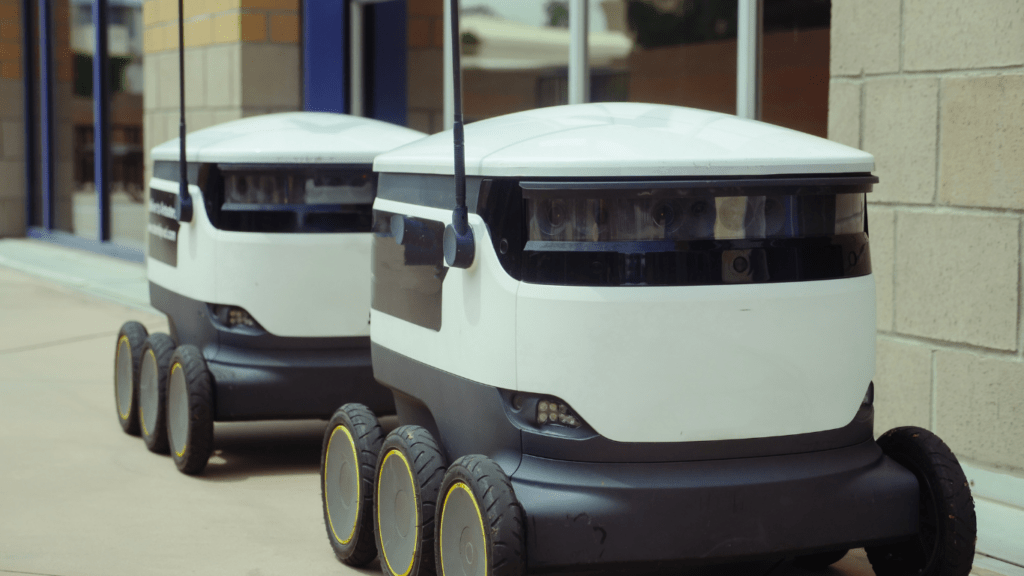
(192, 270)
(303, 285)
(683, 364)
(476, 338)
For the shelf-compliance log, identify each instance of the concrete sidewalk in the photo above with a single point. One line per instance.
(80, 497)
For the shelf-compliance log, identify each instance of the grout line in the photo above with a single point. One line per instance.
(935, 392)
(862, 91)
(948, 209)
(902, 34)
(1020, 285)
(949, 346)
(942, 73)
(938, 140)
(895, 223)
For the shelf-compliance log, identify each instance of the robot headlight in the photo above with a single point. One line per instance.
(626, 215)
(234, 316)
(553, 411)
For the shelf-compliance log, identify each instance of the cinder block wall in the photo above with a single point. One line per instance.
(12, 126)
(242, 58)
(935, 90)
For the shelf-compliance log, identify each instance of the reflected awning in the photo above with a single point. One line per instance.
(491, 43)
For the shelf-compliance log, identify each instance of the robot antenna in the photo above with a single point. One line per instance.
(183, 210)
(459, 247)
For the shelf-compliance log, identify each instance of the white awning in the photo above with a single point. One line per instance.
(499, 44)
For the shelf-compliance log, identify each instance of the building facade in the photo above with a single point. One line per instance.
(933, 88)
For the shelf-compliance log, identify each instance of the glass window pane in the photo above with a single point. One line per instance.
(73, 37)
(680, 52)
(795, 71)
(515, 55)
(128, 217)
(71, 41)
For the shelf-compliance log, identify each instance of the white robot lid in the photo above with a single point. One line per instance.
(291, 138)
(626, 140)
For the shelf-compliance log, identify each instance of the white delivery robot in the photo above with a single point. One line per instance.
(658, 352)
(264, 281)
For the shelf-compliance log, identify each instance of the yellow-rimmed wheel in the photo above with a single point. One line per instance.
(127, 357)
(409, 473)
(348, 465)
(156, 359)
(189, 410)
(479, 521)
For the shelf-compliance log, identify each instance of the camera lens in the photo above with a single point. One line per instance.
(551, 216)
(664, 215)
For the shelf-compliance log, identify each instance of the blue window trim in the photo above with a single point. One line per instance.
(325, 59)
(388, 99)
(101, 118)
(46, 112)
(324, 56)
(27, 66)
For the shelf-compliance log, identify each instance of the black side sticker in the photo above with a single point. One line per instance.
(407, 280)
(163, 227)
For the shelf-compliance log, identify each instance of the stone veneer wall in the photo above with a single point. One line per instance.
(935, 90)
(12, 126)
(242, 58)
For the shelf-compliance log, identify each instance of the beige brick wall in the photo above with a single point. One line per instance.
(935, 90)
(242, 58)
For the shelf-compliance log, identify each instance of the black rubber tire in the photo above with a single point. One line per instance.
(155, 362)
(358, 428)
(423, 460)
(504, 532)
(132, 337)
(948, 526)
(190, 431)
(819, 561)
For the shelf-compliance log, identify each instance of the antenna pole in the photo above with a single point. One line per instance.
(460, 218)
(183, 188)
(184, 208)
(459, 247)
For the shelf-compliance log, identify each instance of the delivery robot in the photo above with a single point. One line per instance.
(650, 345)
(263, 274)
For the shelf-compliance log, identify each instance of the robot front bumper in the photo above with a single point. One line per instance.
(591, 514)
(594, 504)
(259, 376)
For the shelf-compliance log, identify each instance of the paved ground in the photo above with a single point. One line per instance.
(78, 497)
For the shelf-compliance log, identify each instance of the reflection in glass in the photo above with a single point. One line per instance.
(75, 140)
(302, 187)
(652, 215)
(516, 55)
(684, 54)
